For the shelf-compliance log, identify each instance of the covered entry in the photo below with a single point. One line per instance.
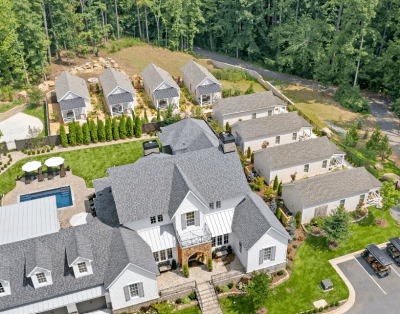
(91, 305)
(61, 310)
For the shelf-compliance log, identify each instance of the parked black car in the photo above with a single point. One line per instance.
(393, 249)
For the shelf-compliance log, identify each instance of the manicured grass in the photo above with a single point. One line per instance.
(190, 310)
(243, 85)
(312, 265)
(38, 111)
(6, 107)
(89, 164)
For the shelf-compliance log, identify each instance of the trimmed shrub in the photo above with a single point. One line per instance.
(79, 133)
(101, 131)
(252, 158)
(185, 270)
(228, 127)
(71, 134)
(138, 127)
(86, 134)
(5, 166)
(48, 150)
(210, 264)
(129, 127)
(179, 301)
(294, 246)
(173, 264)
(186, 300)
(297, 219)
(225, 289)
(52, 145)
(29, 153)
(38, 151)
(192, 296)
(280, 189)
(230, 285)
(276, 183)
(248, 152)
(158, 115)
(280, 273)
(145, 119)
(321, 309)
(229, 249)
(122, 128)
(10, 96)
(43, 151)
(93, 131)
(278, 214)
(63, 135)
(115, 130)
(109, 135)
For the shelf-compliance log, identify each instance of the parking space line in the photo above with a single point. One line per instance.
(369, 275)
(395, 271)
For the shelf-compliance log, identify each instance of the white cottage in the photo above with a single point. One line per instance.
(161, 87)
(270, 131)
(298, 160)
(201, 83)
(73, 97)
(318, 196)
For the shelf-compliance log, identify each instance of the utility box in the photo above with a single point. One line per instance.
(326, 284)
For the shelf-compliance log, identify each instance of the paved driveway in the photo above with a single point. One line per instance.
(373, 294)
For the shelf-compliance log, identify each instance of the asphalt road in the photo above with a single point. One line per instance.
(373, 294)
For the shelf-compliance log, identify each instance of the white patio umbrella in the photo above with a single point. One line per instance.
(54, 161)
(31, 166)
(80, 219)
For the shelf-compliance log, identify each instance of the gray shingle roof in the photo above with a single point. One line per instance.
(80, 246)
(73, 103)
(38, 256)
(146, 188)
(252, 219)
(104, 202)
(154, 76)
(67, 82)
(189, 134)
(270, 125)
(128, 247)
(334, 185)
(196, 73)
(300, 152)
(250, 102)
(4, 268)
(111, 78)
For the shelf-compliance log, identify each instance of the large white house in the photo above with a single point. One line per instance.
(161, 87)
(201, 83)
(246, 107)
(270, 131)
(318, 196)
(118, 92)
(298, 160)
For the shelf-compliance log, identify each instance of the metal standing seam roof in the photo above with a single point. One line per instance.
(285, 155)
(29, 219)
(196, 73)
(220, 222)
(160, 238)
(110, 79)
(73, 103)
(396, 243)
(333, 185)
(66, 82)
(155, 76)
(377, 253)
(209, 89)
(120, 98)
(246, 103)
(269, 125)
(166, 93)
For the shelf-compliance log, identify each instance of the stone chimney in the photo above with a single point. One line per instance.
(227, 141)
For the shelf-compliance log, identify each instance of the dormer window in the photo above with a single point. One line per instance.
(211, 205)
(153, 220)
(82, 268)
(2, 290)
(41, 278)
(218, 203)
(160, 218)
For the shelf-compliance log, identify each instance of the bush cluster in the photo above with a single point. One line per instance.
(350, 97)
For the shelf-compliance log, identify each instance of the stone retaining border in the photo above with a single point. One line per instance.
(13, 111)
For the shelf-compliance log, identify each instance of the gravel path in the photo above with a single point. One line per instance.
(16, 127)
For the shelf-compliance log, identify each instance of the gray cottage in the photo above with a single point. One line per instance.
(118, 92)
(201, 83)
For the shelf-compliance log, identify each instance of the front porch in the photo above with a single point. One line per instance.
(306, 135)
(119, 109)
(209, 99)
(163, 104)
(336, 163)
(279, 110)
(373, 198)
(76, 114)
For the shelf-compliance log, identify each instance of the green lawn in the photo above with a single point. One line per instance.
(6, 107)
(190, 310)
(243, 85)
(89, 164)
(38, 111)
(312, 265)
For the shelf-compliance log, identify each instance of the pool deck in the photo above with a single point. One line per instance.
(79, 192)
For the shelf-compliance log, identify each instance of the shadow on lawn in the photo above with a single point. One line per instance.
(238, 305)
(367, 221)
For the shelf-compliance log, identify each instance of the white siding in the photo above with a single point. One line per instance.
(133, 274)
(241, 255)
(146, 224)
(290, 197)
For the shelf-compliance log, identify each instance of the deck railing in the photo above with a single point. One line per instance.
(196, 239)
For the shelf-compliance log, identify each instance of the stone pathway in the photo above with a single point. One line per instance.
(208, 299)
(17, 126)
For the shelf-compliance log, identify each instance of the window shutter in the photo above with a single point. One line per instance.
(261, 260)
(197, 218)
(273, 250)
(183, 218)
(140, 288)
(127, 294)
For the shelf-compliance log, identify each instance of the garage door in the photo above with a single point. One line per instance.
(91, 305)
(61, 310)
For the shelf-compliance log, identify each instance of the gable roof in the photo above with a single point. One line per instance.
(128, 248)
(111, 78)
(275, 124)
(250, 102)
(252, 219)
(188, 134)
(39, 255)
(106, 210)
(207, 170)
(154, 76)
(28, 219)
(67, 82)
(334, 185)
(196, 73)
(80, 246)
(300, 152)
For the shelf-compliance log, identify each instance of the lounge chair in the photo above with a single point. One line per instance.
(62, 171)
(41, 176)
(50, 174)
(27, 178)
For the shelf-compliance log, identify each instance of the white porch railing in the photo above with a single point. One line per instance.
(335, 164)
(189, 239)
(304, 137)
(373, 198)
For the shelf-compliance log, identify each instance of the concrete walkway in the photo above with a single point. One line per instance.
(17, 127)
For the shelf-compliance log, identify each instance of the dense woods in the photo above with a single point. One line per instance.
(352, 42)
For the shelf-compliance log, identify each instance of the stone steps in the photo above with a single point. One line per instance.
(209, 300)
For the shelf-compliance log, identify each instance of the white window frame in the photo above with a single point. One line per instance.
(211, 206)
(219, 240)
(226, 238)
(169, 254)
(160, 218)
(362, 198)
(42, 280)
(277, 140)
(156, 256)
(82, 267)
(134, 288)
(306, 168)
(342, 201)
(267, 254)
(213, 241)
(294, 137)
(153, 220)
(2, 288)
(163, 256)
(324, 164)
(218, 204)
(190, 221)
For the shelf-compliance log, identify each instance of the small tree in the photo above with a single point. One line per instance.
(337, 225)
(228, 127)
(248, 152)
(138, 127)
(10, 96)
(292, 227)
(79, 133)
(250, 90)
(129, 127)
(276, 183)
(145, 119)
(93, 131)
(63, 135)
(86, 134)
(158, 115)
(122, 127)
(379, 143)
(101, 131)
(298, 219)
(353, 132)
(273, 206)
(389, 195)
(258, 289)
(165, 307)
(384, 147)
(108, 127)
(71, 134)
(115, 129)
(252, 158)
(268, 193)
(280, 189)
(278, 213)
(259, 181)
(35, 95)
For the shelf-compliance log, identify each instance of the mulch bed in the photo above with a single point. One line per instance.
(381, 223)
(292, 250)
(333, 245)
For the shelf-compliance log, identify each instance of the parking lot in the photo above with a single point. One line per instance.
(373, 294)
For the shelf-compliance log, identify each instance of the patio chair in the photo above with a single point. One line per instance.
(27, 178)
(62, 171)
(50, 174)
(164, 266)
(41, 176)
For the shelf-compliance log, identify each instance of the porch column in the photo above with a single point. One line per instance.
(201, 100)
(108, 300)
(72, 309)
(73, 110)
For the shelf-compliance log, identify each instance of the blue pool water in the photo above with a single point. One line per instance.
(63, 196)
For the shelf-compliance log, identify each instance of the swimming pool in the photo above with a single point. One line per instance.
(63, 196)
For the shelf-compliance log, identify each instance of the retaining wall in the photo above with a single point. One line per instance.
(13, 111)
